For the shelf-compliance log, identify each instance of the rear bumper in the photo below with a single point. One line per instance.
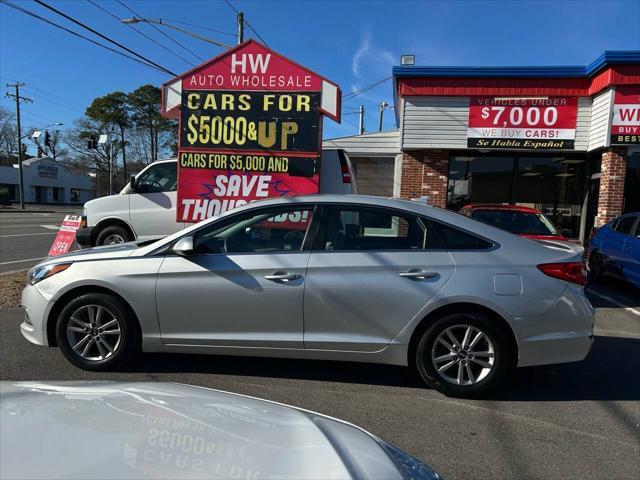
(563, 334)
(83, 237)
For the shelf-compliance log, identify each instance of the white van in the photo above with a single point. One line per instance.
(145, 209)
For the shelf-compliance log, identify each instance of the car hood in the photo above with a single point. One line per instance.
(160, 430)
(119, 250)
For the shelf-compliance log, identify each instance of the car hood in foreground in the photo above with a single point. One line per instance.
(160, 430)
(119, 250)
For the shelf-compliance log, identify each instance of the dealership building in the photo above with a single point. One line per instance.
(45, 181)
(565, 140)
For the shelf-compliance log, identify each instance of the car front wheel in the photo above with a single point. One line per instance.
(464, 355)
(96, 332)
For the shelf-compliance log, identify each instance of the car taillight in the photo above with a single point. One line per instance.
(574, 272)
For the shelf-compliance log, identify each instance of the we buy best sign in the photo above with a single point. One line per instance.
(250, 128)
(625, 123)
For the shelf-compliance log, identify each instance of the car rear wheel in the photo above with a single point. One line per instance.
(463, 355)
(96, 332)
(113, 235)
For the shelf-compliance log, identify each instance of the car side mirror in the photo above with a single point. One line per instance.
(184, 246)
(132, 183)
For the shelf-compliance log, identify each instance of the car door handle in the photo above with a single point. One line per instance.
(282, 277)
(418, 274)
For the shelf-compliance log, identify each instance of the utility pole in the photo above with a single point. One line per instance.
(381, 108)
(240, 27)
(17, 96)
(361, 123)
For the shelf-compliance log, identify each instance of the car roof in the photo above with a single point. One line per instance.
(499, 206)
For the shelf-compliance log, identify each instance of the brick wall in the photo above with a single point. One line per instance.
(425, 172)
(611, 186)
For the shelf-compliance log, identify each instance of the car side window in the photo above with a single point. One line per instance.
(456, 239)
(162, 177)
(625, 224)
(364, 229)
(268, 231)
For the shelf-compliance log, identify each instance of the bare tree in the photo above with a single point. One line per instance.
(8, 142)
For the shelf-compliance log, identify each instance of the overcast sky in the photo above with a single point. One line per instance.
(353, 43)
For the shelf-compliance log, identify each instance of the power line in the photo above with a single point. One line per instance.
(163, 33)
(79, 35)
(365, 89)
(247, 23)
(234, 35)
(104, 37)
(142, 33)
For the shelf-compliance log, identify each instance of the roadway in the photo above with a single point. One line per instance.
(578, 420)
(25, 237)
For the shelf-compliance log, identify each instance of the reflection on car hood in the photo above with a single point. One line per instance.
(160, 430)
(119, 250)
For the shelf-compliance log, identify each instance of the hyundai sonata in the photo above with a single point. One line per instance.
(352, 278)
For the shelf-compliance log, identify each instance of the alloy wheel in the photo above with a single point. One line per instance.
(463, 355)
(113, 239)
(94, 333)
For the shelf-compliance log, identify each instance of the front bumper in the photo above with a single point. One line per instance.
(34, 325)
(83, 237)
(563, 334)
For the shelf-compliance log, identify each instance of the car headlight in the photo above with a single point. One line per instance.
(40, 272)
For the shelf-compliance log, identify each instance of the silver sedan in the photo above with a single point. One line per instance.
(351, 278)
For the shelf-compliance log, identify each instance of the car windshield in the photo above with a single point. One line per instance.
(520, 223)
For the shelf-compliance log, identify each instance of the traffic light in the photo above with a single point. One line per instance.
(92, 144)
(47, 139)
(23, 147)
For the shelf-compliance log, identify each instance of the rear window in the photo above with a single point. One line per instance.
(625, 224)
(520, 223)
(456, 239)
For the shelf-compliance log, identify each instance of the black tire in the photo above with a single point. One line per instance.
(503, 356)
(115, 232)
(596, 266)
(123, 350)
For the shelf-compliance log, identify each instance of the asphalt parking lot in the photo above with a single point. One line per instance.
(579, 420)
(25, 237)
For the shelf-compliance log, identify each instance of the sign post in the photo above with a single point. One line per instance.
(250, 128)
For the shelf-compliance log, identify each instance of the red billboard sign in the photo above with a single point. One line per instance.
(250, 128)
(625, 123)
(527, 123)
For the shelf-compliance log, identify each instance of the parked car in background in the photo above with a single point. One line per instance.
(614, 249)
(526, 222)
(90, 430)
(335, 277)
(146, 207)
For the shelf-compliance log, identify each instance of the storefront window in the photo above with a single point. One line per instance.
(75, 195)
(553, 185)
(632, 184)
(479, 180)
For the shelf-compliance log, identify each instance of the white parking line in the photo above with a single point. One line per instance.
(27, 234)
(51, 227)
(22, 261)
(616, 302)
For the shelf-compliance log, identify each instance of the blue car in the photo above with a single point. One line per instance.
(615, 249)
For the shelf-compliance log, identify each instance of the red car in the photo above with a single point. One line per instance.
(523, 221)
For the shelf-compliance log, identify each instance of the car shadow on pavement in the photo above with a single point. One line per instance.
(623, 292)
(608, 373)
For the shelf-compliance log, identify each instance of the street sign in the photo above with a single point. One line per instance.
(66, 235)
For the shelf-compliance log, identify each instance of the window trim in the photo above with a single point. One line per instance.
(166, 250)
